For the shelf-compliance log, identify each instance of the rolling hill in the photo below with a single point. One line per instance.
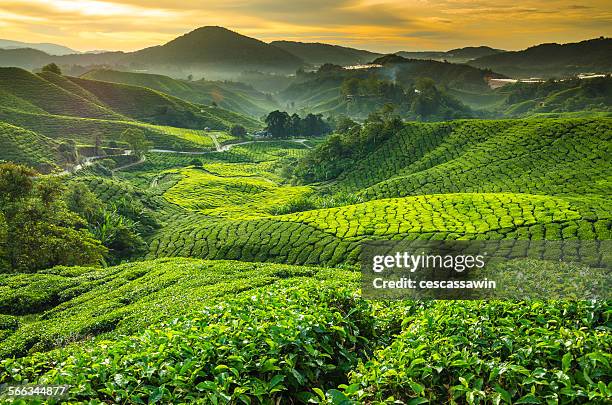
(319, 54)
(211, 50)
(459, 55)
(50, 96)
(519, 156)
(48, 109)
(229, 95)
(578, 96)
(28, 148)
(552, 60)
(51, 49)
(84, 98)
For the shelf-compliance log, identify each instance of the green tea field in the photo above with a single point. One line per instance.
(194, 221)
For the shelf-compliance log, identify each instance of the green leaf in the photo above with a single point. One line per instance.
(319, 392)
(566, 362)
(505, 395)
(528, 399)
(156, 395)
(417, 401)
(337, 397)
(276, 380)
(416, 387)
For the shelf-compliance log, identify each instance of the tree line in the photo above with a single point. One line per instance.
(350, 140)
(279, 124)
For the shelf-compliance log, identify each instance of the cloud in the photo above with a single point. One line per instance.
(383, 25)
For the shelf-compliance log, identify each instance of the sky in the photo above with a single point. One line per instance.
(377, 25)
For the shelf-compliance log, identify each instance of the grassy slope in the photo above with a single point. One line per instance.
(232, 96)
(84, 130)
(61, 107)
(27, 147)
(48, 96)
(142, 103)
(537, 156)
(576, 96)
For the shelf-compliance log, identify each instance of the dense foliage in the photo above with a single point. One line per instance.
(558, 96)
(37, 230)
(320, 342)
(282, 125)
(333, 156)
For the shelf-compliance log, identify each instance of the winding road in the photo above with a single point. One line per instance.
(227, 146)
(88, 161)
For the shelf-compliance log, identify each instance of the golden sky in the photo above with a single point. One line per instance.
(379, 25)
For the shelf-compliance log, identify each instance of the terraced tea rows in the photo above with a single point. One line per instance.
(231, 200)
(26, 147)
(464, 215)
(554, 157)
(251, 240)
(85, 130)
(259, 333)
(231, 191)
(87, 301)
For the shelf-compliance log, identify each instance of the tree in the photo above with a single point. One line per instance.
(15, 182)
(196, 162)
(43, 231)
(83, 201)
(350, 87)
(52, 68)
(343, 124)
(137, 140)
(68, 151)
(295, 125)
(277, 123)
(238, 131)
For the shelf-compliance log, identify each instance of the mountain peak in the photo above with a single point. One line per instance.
(214, 45)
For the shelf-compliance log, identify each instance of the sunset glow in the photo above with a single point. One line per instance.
(377, 25)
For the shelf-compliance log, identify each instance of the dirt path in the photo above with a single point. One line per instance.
(215, 141)
(141, 160)
(226, 147)
(88, 161)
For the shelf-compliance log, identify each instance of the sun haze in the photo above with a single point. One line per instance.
(378, 25)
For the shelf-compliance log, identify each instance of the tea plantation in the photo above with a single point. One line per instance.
(248, 291)
(261, 333)
(523, 179)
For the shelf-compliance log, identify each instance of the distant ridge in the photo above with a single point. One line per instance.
(549, 60)
(458, 55)
(219, 53)
(317, 53)
(51, 49)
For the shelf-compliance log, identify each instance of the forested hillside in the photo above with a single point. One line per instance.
(552, 60)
